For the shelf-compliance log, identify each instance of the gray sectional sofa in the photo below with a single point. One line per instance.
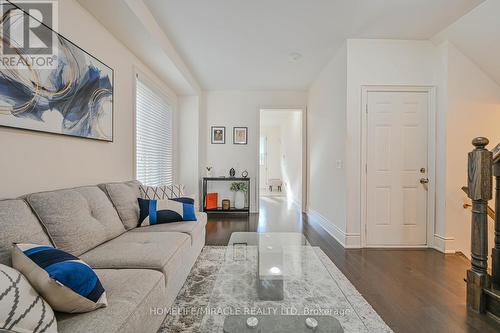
(142, 269)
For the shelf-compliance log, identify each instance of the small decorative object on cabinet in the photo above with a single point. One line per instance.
(240, 189)
(209, 171)
(212, 200)
(235, 184)
(226, 204)
(244, 174)
(232, 172)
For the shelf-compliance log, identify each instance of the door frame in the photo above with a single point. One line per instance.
(303, 109)
(431, 157)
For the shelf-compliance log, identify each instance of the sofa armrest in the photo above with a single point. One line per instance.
(201, 217)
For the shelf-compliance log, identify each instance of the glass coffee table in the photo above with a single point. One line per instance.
(275, 282)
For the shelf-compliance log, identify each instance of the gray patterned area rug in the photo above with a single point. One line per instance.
(187, 312)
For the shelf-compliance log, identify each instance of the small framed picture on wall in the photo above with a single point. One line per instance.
(218, 135)
(240, 135)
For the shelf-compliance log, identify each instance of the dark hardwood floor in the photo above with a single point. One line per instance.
(412, 290)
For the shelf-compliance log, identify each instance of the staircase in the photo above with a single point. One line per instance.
(483, 289)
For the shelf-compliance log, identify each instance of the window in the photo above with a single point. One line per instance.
(154, 147)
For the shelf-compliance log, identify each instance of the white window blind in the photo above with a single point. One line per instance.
(154, 147)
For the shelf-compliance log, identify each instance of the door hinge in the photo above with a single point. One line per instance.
(366, 108)
(366, 167)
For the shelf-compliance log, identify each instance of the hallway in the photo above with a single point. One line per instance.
(413, 290)
(275, 215)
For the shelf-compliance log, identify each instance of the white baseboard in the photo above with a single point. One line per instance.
(347, 240)
(352, 241)
(443, 244)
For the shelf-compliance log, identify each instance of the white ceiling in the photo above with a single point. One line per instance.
(246, 44)
(477, 35)
(135, 28)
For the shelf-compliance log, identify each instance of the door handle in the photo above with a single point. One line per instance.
(424, 180)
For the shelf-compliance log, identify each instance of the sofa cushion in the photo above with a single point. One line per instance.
(18, 224)
(65, 282)
(149, 250)
(124, 197)
(192, 228)
(133, 297)
(77, 219)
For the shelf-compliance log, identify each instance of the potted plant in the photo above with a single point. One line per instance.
(240, 189)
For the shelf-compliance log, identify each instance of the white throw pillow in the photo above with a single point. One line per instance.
(161, 192)
(22, 309)
(67, 283)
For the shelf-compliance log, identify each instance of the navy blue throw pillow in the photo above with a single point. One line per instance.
(166, 211)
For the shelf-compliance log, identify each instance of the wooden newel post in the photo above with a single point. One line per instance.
(495, 255)
(480, 192)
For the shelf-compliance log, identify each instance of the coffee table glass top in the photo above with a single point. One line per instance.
(276, 275)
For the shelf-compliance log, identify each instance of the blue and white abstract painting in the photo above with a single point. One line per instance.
(72, 97)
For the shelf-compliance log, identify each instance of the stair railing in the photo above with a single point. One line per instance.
(495, 255)
(482, 166)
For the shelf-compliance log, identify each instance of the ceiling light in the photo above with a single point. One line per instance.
(295, 56)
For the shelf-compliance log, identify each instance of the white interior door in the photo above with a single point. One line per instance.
(396, 207)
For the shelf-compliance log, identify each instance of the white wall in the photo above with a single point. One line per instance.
(476, 35)
(334, 123)
(189, 107)
(441, 239)
(326, 138)
(473, 110)
(467, 105)
(470, 49)
(203, 133)
(274, 153)
(241, 108)
(34, 161)
(378, 62)
(291, 155)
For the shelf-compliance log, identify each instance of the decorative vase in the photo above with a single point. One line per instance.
(239, 200)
